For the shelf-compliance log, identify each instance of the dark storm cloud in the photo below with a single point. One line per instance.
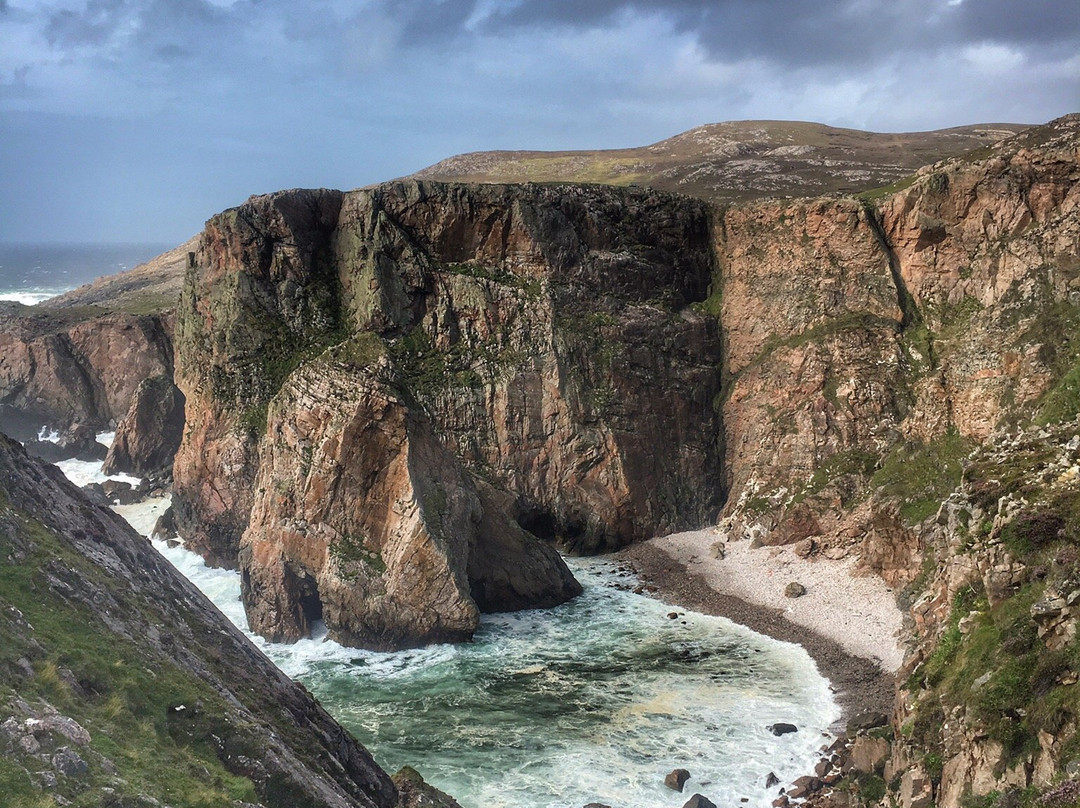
(177, 108)
(797, 33)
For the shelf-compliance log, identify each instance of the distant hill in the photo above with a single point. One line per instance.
(737, 160)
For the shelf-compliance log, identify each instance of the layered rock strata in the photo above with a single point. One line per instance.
(545, 336)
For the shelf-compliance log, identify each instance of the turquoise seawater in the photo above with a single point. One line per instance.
(592, 701)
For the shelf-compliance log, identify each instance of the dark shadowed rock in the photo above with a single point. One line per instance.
(699, 801)
(676, 779)
(782, 728)
(414, 792)
(772, 780)
(117, 591)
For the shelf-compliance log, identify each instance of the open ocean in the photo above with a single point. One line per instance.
(30, 273)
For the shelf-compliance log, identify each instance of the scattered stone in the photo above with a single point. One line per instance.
(29, 744)
(24, 667)
(803, 787)
(96, 494)
(772, 780)
(672, 615)
(68, 763)
(718, 550)
(804, 548)
(699, 801)
(46, 779)
(676, 779)
(118, 492)
(782, 728)
(794, 590)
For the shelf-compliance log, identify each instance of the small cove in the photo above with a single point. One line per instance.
(594, 701)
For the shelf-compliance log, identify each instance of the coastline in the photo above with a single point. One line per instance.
(860, 684)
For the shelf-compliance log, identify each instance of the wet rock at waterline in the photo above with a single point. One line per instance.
(676, 779)
(782, 728)
(699, 801)
(78, 442)
(414, 792)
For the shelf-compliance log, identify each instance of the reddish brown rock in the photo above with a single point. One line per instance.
(362, 519)
(149, 435)
(59, 370)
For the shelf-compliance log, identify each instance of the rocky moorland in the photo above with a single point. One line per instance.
(398, 401)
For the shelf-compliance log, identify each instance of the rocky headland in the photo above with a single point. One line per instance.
(398, 399)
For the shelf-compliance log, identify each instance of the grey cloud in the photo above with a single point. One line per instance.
(797, 33)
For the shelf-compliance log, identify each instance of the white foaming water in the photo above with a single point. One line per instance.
(84, 472)
(31, 297)
(593, 701)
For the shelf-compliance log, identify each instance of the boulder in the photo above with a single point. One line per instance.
(772, 780)
(79, 443)
(119, 493)
(676, 779)
(794, 590)
(803, 787)
(782, 728)
(866, 721)
(414, 792)
(699, 801)
(868, 754)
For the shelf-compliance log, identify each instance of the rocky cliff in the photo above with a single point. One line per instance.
(547, 337)
(120, 684)
(76, 366)
(391, 392)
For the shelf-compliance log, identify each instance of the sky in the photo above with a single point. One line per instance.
(136, 120)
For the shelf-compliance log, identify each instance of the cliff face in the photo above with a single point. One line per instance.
(545, 334)
(121, 684)
(61, 369)
(869, 335)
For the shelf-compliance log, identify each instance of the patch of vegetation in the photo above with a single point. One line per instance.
(349, 550)
(530, 286)
(921, 475)
(852, 463)
(852, 321)
(111, 687)
(877, 194)
(990, 479)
